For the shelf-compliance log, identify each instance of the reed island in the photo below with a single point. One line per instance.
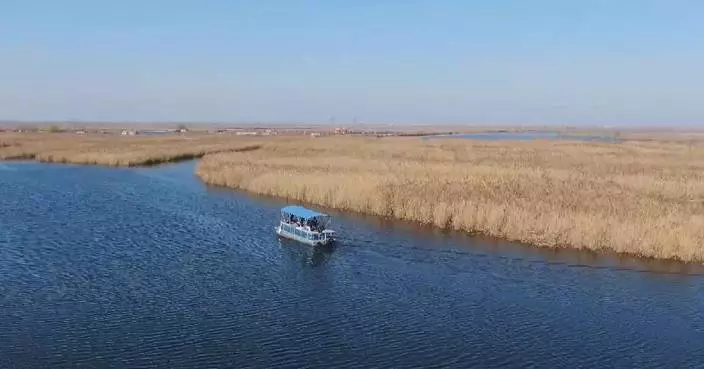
(642, 197)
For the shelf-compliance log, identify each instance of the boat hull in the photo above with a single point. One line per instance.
(307, 241)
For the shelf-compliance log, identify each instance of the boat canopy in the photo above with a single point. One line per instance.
(301, 212)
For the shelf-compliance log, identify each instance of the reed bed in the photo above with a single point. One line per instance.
(640, 198)
(115, 150)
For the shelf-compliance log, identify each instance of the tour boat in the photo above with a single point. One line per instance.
(305, 225)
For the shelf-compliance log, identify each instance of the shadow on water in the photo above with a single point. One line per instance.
(312, 256)
(496, 247)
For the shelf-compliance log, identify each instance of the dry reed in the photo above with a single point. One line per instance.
(116, 150)
(641, 198)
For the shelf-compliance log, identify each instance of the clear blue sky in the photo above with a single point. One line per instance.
(385, 61)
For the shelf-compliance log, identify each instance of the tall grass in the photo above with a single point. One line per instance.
(641, 198)
(116, 150)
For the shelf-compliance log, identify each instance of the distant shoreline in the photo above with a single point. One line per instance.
(324, 126)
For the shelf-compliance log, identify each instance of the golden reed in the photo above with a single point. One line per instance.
(640, 198)
(115, 150)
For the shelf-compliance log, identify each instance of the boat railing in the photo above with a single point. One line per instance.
(315, 226)
(305, 232)
(305, 223)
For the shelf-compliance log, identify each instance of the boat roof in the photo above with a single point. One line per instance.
(301, 212)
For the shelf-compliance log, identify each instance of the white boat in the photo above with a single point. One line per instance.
(305, 225)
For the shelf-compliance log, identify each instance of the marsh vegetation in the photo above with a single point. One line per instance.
(641, 198)
(115, 150)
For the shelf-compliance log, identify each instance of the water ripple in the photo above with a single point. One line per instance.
(147, 268)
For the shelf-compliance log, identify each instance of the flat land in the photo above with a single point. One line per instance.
(643, 198)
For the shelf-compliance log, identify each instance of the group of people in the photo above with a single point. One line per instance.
(310, 224)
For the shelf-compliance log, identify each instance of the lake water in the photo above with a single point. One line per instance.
(149, 268)
(528, 136)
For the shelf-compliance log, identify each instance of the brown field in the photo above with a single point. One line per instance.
(116, 150)
(639, 197)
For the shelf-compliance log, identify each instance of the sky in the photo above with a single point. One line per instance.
(499, 62)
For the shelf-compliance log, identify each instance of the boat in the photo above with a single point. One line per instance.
(306, 226)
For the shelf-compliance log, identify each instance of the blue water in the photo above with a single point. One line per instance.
(529, 136)
(149, 268)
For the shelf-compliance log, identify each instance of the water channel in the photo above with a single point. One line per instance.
(150, 268)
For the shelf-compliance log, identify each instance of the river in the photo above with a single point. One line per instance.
(150, 268)
(529, 136)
